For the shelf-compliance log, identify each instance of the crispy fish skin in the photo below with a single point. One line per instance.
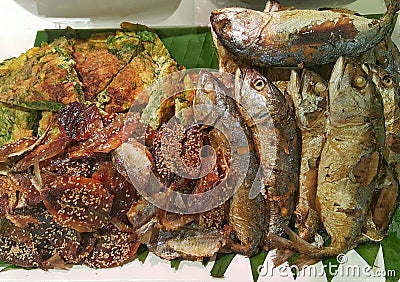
(309, 94)
(384, 201)
(386, 192)
(351, 157)
(189, 242)
(292, 37)
(277, 142)
(246, 216)
(389, 88)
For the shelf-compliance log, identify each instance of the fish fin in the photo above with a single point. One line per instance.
(282, 256)
(275, 6)
(280, 242)
(257, 186)
(370, 232)
(304, 261)
(294, 237)
(246, 250)
(309, 251)
(340, 10)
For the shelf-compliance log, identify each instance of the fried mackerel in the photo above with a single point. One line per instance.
(385, 198)
(233, 225)
(309, 92)
(388, 86)
(291, 37)
(272, 123)
(350, 160)
(246, 215)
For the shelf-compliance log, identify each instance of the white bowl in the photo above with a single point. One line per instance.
(101, 12)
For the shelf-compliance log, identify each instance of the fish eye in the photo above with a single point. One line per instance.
(259, 84)
(320, 87)
(225, 25)
(387, 81)
(359, 81)
(208, 86)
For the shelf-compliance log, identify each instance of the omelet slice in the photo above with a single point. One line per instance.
(41, 79)
(146, 60)
(17, 123)
(101, 57)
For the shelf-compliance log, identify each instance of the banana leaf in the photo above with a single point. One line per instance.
(191, 47)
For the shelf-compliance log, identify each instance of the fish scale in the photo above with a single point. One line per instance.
(294, 37)
(277, 142)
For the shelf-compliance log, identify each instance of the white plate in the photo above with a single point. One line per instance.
(155, 269)
(102, 12)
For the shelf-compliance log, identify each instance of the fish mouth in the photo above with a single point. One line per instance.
(239, 79)
(338, 70)
(220, 21)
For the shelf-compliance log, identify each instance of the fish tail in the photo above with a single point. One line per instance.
(389, 18)
(392, 5)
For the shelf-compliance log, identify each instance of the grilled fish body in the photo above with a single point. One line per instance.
(246, 216)
(310, 96)
(277, 139)
(292, 37)
(351, 156)
(387, 190)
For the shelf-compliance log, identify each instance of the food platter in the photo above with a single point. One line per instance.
(163, 269)
(155, 269)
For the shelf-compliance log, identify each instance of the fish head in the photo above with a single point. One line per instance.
(210, 84)
(236, 27)
(253, 80)
(353, 96)
(259, 92)
(213, 95)
(207, 86)
(251, 89)
(382, 78)
(309, 93)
